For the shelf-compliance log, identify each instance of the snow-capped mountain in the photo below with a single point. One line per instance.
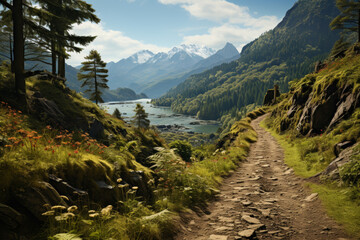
(145, 68)
(142, 56)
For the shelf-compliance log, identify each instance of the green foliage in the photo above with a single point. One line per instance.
(93, 74)
(349, 16)
(183, 148)
(141, 117)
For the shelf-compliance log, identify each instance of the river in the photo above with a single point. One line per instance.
(162, 116)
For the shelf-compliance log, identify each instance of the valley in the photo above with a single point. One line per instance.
(183, 120)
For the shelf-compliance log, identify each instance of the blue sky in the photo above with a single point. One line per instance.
(128, 26)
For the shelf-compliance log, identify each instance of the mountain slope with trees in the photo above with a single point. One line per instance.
(278, 56)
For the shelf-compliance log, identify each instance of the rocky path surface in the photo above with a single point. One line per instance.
(263, 199)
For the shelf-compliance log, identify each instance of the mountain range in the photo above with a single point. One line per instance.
(155, 74)
(279, 56)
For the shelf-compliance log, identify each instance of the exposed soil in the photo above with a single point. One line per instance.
(263, 199)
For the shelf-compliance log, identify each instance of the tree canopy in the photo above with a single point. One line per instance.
(141, 117)
(349, 18)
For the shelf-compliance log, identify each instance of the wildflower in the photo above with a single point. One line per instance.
(58, 207)
(135, 188)
(48, 213)
(69, 154)
(53, 151)
(72, 208)
(8, 146)
(78, 143)
(91, 211)
(93, 215)
(106, 211)
(119, 180)
(64, 197)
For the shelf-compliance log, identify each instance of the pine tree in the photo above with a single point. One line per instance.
(64, 14)
(93, 74)
(117, 114)
(349, 18)
(140, 118)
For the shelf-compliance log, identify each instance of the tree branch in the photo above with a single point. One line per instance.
(6, 4)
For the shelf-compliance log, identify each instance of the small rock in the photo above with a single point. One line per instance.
(256, 226)
(249, 219)
(265, 165)
(248, 233)
(218, 237)
(246, 203)
(274, 232)
(311, 197)
(192, 222)
(265, 212)
(285, 228)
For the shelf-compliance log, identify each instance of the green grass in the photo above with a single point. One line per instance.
(340, 206)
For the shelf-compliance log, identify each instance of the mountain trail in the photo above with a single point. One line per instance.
(263, 199)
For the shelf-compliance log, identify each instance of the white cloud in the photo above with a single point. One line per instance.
(112, 45)
(234, 23)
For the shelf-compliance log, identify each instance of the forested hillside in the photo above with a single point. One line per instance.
(277, 57)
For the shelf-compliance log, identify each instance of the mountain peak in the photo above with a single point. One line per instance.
(192, 50)
(228, 51)
(141, 56)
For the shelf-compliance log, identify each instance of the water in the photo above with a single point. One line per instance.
(161, 116)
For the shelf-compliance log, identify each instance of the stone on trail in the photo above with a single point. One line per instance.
(249, 219)
(248, 233)
(218, 237)
(311, 197)
(246, 203)
(256, 226)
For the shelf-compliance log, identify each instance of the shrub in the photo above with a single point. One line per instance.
(183, 148)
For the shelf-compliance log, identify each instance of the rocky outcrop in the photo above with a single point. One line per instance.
(64, 188)
(35, 199)
(333, 170)
(320, 111)
(46, 110)
(269, 97)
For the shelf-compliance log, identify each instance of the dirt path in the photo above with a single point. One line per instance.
(263, 199)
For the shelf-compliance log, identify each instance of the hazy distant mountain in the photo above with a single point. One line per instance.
(145, 67)
(155, 74)
(225, 55)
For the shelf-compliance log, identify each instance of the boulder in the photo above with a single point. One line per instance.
(344, 110)
(64, 188)
(332, 171)
(96, 129)
(104, 194)
(9, 217)
(323, 113)
(35, 197)
(341, 146)
(47, 109)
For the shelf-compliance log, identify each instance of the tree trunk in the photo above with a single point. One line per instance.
(18, 25)
(359, 26)
(11, 54)
(61, 64)
(96, 85)
(53, 57)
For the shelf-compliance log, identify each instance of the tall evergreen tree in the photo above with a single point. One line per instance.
(349, 18)
(70, 12)
(93, 74)
(141, 117)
